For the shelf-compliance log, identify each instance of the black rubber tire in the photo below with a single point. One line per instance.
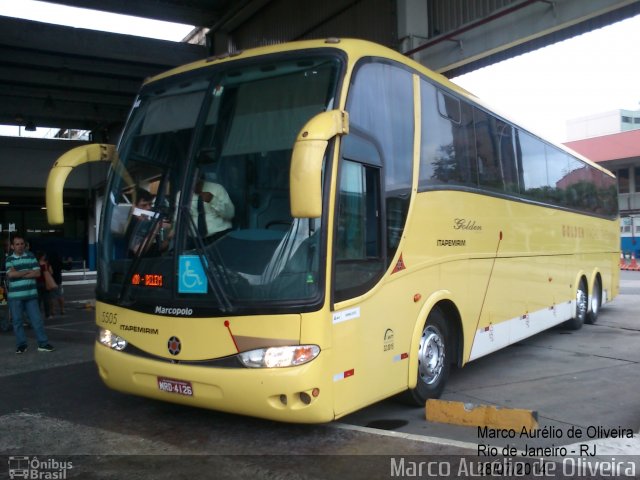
(582, 307)
(596, 303)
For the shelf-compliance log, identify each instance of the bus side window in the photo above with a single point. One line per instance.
(534, 166)
(557, 168)
(496, 162)
(380, 106)
(448, 151)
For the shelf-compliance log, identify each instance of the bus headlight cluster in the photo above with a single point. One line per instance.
(111, 340)
(275, 357)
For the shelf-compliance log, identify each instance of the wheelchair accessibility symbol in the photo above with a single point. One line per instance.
(192, 278)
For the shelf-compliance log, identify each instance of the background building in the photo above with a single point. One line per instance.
(605, 123)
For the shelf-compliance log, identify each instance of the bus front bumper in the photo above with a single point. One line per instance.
(301, 394)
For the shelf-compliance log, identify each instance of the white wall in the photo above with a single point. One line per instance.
(594, 125)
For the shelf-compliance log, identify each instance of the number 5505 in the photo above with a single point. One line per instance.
(110, 317)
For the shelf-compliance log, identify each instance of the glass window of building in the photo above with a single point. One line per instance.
(623, 180)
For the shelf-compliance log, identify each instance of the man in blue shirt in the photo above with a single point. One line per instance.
(22, 271)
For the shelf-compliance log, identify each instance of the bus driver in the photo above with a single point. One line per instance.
(211, 210)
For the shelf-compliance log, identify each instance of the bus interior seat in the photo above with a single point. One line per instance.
(270, 195)
(272, 211)
(261, 243)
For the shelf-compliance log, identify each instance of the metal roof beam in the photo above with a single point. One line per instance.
(78, 42)
(75, 78)
(524, 23)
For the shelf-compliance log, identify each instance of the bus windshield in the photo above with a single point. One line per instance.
(196, 212)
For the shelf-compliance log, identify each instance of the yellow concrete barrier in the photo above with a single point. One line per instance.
(468, 414)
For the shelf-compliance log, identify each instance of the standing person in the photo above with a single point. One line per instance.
(5, 268)
(57, 295)
(43, 293)
(22, 272)
(4, 319)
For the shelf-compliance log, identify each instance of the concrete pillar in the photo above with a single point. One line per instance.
(413, 25)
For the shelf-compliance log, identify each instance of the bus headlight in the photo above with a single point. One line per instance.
(111, 340)
(276, 357)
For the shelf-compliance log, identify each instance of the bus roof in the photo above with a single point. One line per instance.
(356, 49)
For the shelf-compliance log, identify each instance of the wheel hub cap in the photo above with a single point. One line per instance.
(581, 304)
(431, 356)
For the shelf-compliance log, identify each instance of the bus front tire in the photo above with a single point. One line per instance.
(433, 360)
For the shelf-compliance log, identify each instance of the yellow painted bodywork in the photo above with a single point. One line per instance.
(237, 390)
(202, 338)
(511, 258)
(535, 269)
(305, 176)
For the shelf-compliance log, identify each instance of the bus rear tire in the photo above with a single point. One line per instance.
(582, 307)
(596, 303)
(434, 360)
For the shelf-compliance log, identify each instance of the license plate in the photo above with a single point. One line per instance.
(175, 386)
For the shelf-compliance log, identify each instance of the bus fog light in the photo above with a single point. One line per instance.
(276, 357)
(305, 398)
(111, 340)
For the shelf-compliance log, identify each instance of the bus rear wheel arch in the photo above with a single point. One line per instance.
(435, 354)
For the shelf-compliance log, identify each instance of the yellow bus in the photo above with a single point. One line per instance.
(385, 224)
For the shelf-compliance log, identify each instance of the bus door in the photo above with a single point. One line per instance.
(364, 326)
(375, 179)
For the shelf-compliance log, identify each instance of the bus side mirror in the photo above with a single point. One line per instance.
(305, 176)
(97, 152)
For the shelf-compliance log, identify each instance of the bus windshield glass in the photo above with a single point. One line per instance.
(196, 213)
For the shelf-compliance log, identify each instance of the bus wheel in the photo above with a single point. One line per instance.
(596, 303)
(433, 359)
(582, 306)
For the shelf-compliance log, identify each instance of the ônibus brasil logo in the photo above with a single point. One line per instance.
(35, 468)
